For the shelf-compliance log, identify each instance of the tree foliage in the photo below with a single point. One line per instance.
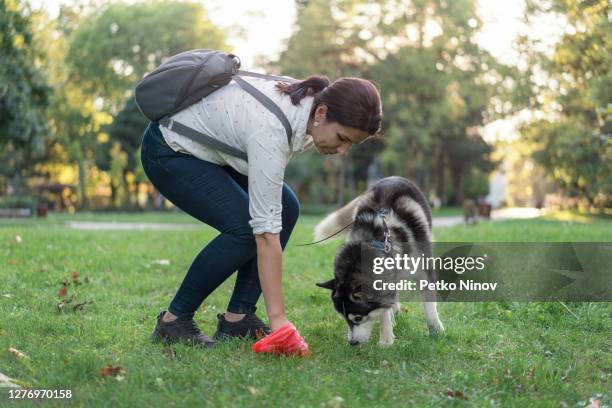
(24, 94)
(572, 139)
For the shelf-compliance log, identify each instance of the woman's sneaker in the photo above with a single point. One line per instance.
(250, 326)
(182, 330)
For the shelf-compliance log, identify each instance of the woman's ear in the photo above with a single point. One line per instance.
(321, 112)
(330, 284)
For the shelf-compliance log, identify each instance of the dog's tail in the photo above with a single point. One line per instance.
(335, 221)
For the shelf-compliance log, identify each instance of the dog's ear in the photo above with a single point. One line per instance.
(330, 284)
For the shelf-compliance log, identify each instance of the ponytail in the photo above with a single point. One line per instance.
(307, 87)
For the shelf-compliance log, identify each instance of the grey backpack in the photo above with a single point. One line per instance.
(188, 77)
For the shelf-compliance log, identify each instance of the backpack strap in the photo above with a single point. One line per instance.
(267, 102)
(215, 144)
(202, 138)
(265, 76)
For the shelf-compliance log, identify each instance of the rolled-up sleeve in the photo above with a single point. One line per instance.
(268, 156)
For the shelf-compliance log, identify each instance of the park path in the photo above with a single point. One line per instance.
(438, 222)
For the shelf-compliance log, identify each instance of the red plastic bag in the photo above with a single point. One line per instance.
(284, 341)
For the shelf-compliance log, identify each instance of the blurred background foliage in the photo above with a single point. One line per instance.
(68, 117)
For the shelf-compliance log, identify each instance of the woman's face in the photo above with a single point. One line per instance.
(332, 138)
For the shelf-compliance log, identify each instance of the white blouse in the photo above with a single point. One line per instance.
(233, 116)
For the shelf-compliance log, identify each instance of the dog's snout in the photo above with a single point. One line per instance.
(353, 342)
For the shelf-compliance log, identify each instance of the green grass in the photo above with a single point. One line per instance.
(447, 211)
(501, 354)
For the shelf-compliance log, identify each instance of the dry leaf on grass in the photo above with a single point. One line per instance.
(110, 370)
(17, 353)
(18, 239)
(63, 291)
(7, 382)
(456, 394)
(335, 402)
(254, 391)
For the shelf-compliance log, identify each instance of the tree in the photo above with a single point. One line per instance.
(24, 94)
(571, 138)
(439, 86)
(109, 51)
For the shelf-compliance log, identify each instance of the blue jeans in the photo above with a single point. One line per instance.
(218, 196)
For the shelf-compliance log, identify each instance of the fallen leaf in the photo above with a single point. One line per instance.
(7, 382)
(254, 391)
(75, 278)
(80, 306)
(335, 402)
(456, 394)
(18, 239)
(110, 370)
(17, 353)
(13, 261)
(63, 291)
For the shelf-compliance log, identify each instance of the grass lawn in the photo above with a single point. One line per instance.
(500, 354)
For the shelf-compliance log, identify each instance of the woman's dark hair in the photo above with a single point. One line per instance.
(352, 102)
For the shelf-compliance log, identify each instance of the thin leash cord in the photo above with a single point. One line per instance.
(324, 239)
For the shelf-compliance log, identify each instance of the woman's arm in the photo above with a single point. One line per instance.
(270, 269)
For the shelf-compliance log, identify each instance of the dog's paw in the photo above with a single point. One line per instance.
(386, 341)
(435, 328)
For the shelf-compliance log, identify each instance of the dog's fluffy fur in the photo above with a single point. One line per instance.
(409, 222)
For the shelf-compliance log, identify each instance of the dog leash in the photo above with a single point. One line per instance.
(325, 239)
(382, 212)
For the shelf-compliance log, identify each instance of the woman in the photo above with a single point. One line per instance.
(248, 202)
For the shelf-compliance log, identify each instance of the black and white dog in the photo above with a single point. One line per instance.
(393, 217)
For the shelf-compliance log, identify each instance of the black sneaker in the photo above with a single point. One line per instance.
(182, 330)
(250, 326)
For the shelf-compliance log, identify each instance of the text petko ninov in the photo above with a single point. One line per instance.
(441, 285)
(412, 265)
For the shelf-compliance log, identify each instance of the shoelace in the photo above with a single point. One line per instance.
(190, 325)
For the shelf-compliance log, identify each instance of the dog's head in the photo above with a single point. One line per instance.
(351, 299)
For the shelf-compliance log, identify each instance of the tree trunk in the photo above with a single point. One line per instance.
(440, 180)
(83, 199)
(457, 175)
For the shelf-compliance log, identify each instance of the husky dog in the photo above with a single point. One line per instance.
(393, 217)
